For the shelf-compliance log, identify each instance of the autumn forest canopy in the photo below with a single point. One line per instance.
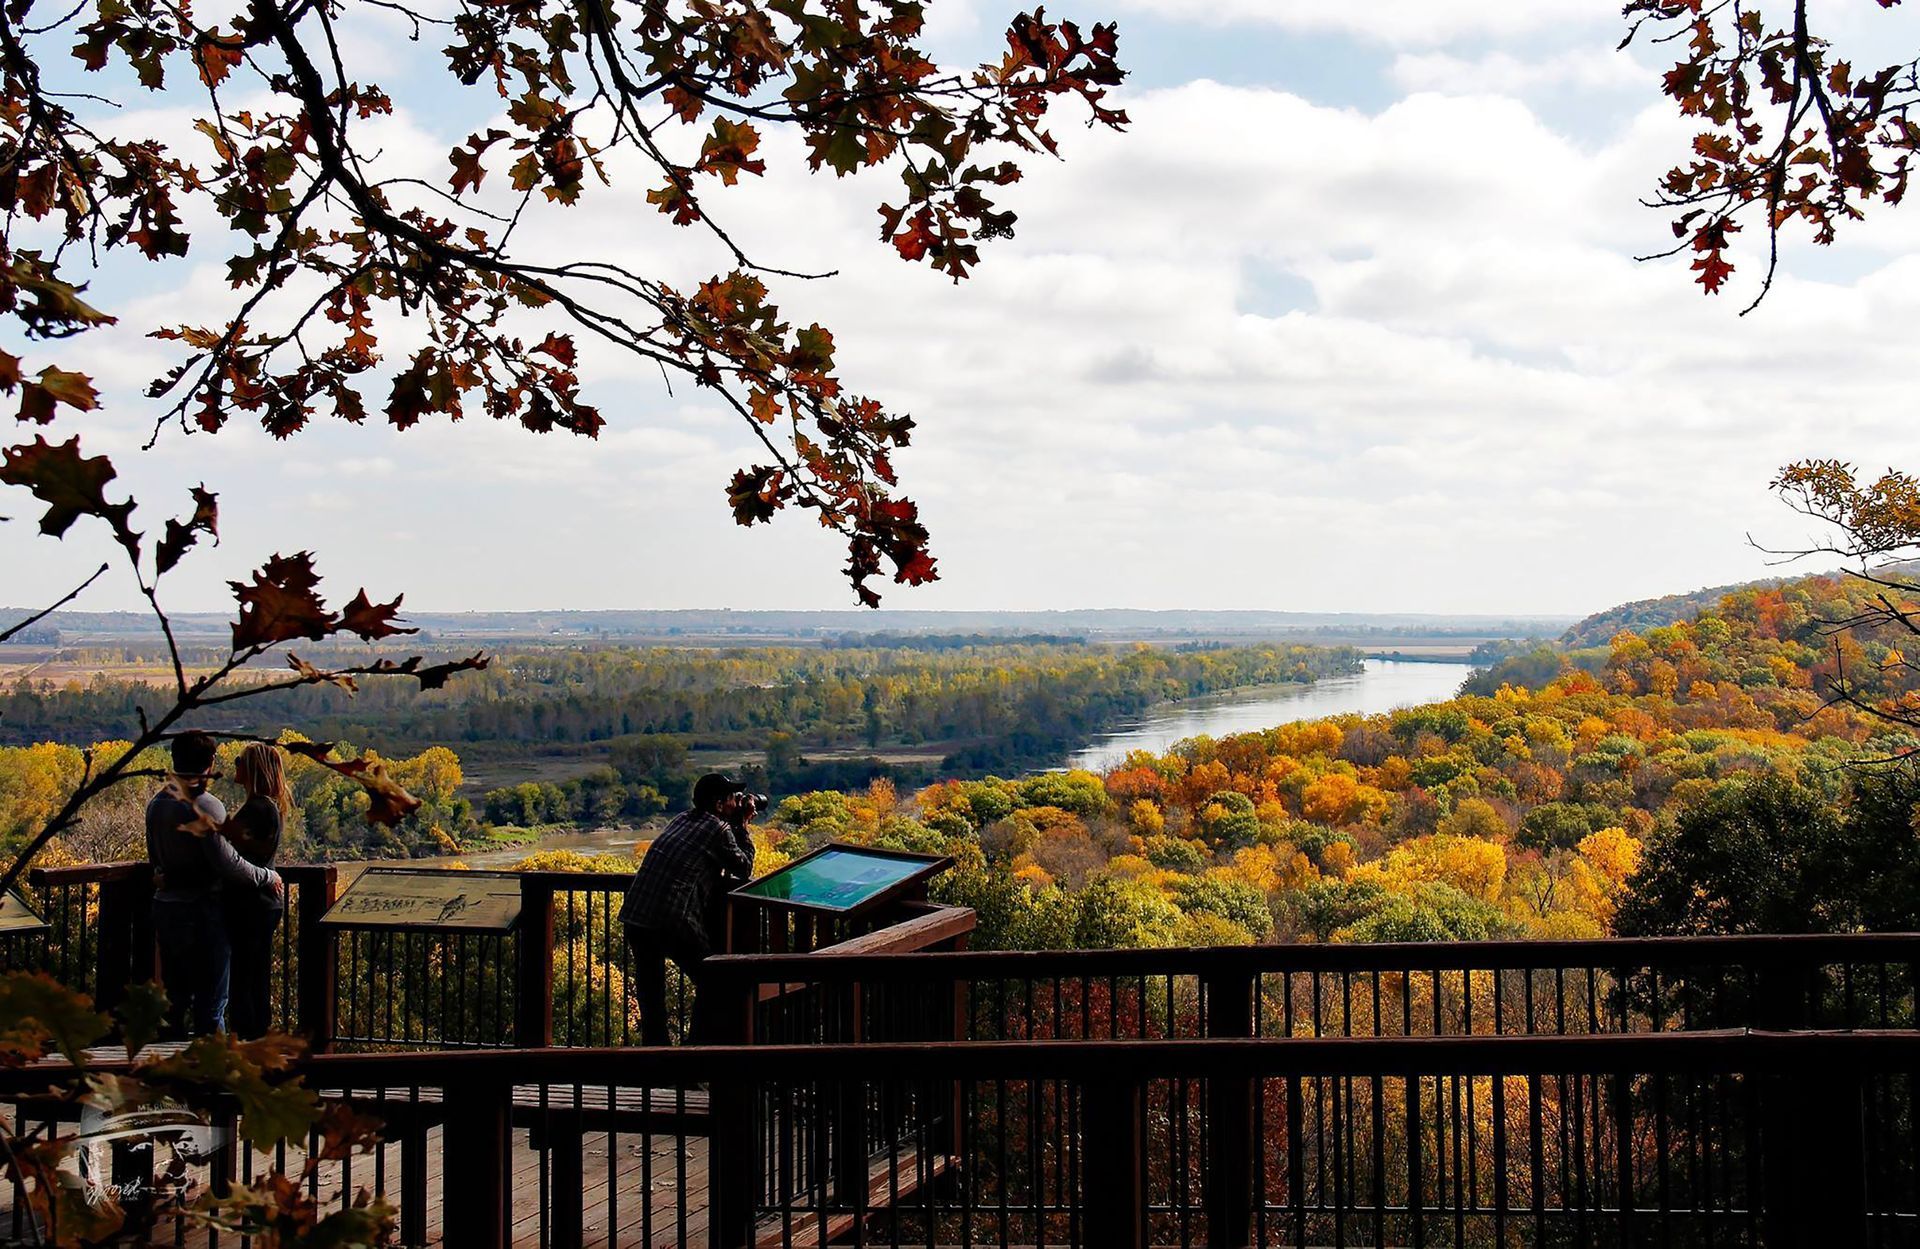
(1727, 768)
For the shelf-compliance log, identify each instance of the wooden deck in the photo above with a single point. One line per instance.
(634, 1190)
(640, 1182)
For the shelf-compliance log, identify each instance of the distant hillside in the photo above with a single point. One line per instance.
(1650, 613)
(719, 626)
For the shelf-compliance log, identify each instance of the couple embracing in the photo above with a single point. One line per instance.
(216, 898)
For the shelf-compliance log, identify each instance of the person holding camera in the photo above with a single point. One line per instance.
(677, 902)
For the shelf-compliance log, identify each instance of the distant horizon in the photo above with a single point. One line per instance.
(889, 613)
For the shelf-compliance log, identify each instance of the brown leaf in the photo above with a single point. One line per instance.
(388, 803)
(216, 55)
(281, 604)
(371, 621)
(179, 536)
(71, 485)
(320, 676)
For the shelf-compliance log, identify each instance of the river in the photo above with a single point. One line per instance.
(1385, 685)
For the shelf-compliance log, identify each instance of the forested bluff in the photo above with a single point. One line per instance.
(1688, 777)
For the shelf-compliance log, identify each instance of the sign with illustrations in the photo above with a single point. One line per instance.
(400, 897)
(17, 916)
(843, 878)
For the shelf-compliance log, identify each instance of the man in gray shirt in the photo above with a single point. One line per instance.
(191, 861)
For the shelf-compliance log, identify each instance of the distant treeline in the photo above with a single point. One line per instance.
(999, 705)
(946, 641)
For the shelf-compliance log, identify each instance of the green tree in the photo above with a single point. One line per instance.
(1232, 900)
(1767, 853)
(1123, 912)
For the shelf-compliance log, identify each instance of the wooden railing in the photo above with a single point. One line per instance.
(1724, 1138)
(563, 977)
(1726, 1091)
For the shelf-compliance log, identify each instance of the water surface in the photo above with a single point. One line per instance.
(1385, 685)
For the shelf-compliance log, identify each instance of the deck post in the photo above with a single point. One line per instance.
(126, 914)
(478, 1148)
(848, 1131)
(413, 1183)
(1113, 1197)
(733, 1156)
(1814, 1157)
(533, 970)
(1229, 998)
(566, 1189)
(317, 888)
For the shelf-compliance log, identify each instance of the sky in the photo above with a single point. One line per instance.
(1348, 320)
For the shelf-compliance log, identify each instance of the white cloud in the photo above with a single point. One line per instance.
(1481, 379)
(1397, 23)
(1505, 73)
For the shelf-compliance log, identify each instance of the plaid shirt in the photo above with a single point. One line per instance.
(683, 875)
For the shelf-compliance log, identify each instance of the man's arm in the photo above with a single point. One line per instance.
(743, 843)
(734, 851)
(228, 864)
(224, 859)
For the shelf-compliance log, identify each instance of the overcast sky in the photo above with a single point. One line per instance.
(1348, 320)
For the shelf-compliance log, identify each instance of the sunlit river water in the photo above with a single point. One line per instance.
(1386, 685)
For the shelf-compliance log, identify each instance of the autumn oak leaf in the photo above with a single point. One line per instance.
(320, 676)
(216, 55)
(71, 485)
(180, 536)
(756, 493)
(40, 398)
(36, 1009)
(371, 621)
(388, 802)
(281, 604)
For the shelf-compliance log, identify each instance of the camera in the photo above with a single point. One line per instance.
(755, 804)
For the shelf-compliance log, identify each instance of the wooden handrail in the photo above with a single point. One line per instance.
(1730, 1050)
(84, 873)
(1793, 949)
(936, 925)
(1807, 1095)
(1607, 954)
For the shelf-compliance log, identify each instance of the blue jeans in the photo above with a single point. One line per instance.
(195, 962)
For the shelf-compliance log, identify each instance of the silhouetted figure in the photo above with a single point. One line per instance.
(678, 896)
(191, 861)
(253, 915)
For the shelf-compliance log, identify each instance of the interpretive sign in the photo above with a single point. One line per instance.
(401, 897)
(841, 878)
(16, 915)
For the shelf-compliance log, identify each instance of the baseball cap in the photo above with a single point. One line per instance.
(711, 788)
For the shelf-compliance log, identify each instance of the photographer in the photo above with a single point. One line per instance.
(677, 900)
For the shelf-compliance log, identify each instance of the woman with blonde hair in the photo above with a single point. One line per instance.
(253, 915)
